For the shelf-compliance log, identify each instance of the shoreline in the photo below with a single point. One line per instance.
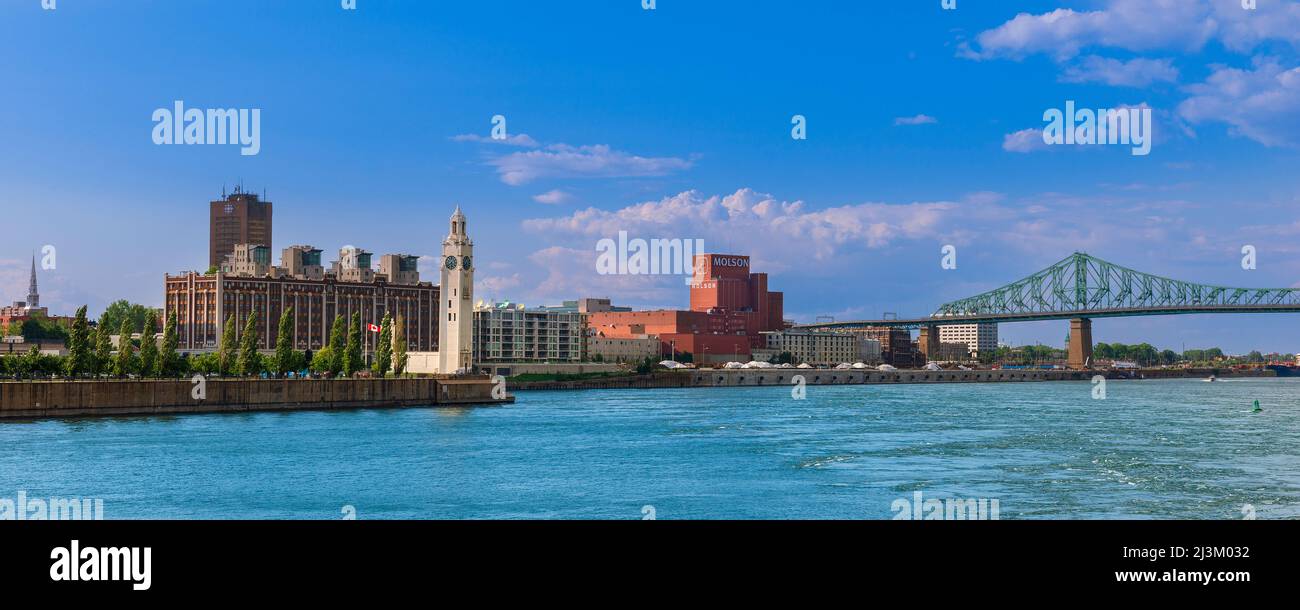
(112, 398)
(713, 378)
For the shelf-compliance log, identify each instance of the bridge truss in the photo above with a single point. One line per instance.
(1087, 286)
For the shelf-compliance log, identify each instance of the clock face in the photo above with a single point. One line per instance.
(466, 263)
(450, 262)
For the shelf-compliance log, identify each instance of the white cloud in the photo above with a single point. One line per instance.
(1134, 25)
(920, 119)
(552, 197)
(1141, 25)
(570, 273)
(495, 287)
(1024, 141)
(757, 224)
(804, 247)
(523, 140)
(565, 161)
(1133, 73)
(1262, 104)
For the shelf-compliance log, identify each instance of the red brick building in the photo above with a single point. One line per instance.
(729, 308)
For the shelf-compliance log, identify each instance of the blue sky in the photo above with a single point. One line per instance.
(673, 122)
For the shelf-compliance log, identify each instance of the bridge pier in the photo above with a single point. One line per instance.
(1080, 343)
(928, 341)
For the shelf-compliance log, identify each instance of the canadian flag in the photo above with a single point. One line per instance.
(374, 328)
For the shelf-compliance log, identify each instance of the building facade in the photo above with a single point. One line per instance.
(509, 332)
(823, 348)
(730, 308)
(237, 218)
(979, 338)
(897, 348)
(628, 350)
(250, 288)
(723, 283)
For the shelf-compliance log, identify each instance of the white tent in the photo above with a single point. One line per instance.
(931, 366)
(859, 365)
(843, 365)
(886, 367)
(804, 366)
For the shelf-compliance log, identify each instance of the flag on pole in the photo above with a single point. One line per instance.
(374, 328)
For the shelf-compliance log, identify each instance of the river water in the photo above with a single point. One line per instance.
(1150, 449)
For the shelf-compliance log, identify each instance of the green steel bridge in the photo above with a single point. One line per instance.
(1082, 287)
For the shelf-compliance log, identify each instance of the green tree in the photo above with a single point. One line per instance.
(78, 362)
(323, 361)
(125, 361)
(124, 310)
(646, 365)
(168, 362)
(249, 362)
(38, 327)
(226, 351)
(284, 355)
(352, 356)
(399, 346)
(103, 360)
(31, 362)
(384, 347)
(206, 363)
(148, 349)
(338, 345)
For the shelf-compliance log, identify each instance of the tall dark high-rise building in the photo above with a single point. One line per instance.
(237, 218)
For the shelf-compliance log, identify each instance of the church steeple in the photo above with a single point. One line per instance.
(33, 297)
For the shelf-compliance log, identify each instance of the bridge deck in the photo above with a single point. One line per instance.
(1055, 315)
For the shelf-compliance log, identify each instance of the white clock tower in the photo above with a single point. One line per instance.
(456, 309)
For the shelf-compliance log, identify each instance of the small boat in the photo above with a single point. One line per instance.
(1211, 378)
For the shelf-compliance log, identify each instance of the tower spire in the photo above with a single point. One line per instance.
(458, 225)
(33, 297)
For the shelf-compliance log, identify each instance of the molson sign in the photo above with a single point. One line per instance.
(730, 261)
(712, 266)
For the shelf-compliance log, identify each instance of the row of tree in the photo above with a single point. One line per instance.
(91, 353)
(1143, 354)
(41, 328)
(237, 353)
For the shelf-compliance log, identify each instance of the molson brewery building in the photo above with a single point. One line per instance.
(729, 308)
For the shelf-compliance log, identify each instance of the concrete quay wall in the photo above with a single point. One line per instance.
(40, 399)
(759, 377)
